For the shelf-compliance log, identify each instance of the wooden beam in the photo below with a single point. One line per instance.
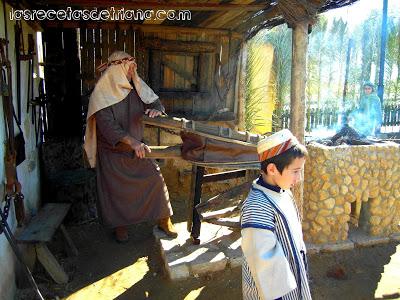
(184, 95)
(214, 21)
(155, 75)
(303, 11)
(162, 6)
(42, 226)
(231, 223)
(178, 69)
(203, 129)
(50, 263)
(297, 92)
(180, 46)
(256, 21)
(229, 198)
(142, 27)
(173, 152)
(298, 80)
(222, 213)
(214, 177)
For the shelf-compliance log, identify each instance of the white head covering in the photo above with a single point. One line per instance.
(112, 87)
(276, 144)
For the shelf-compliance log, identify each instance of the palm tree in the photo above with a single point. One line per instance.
(281, 39)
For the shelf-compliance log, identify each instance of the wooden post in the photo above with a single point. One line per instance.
(297, 93)
(196, 222)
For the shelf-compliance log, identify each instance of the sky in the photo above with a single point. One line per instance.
(358, 11)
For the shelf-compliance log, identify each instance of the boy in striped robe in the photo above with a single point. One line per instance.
(275, 263)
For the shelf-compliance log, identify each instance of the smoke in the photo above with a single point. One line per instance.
(321, 132)
(360, 122)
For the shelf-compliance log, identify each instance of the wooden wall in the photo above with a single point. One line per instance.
(193, 73)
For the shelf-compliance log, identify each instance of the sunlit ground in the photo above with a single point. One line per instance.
(194, 294)
(112, 286)
(116, 284)
(389, 285)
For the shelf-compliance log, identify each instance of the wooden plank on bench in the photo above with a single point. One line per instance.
(44, 224)
(50, 263)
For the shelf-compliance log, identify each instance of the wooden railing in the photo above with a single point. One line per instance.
(328, 117)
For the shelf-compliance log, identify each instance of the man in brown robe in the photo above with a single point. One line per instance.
(130, 188)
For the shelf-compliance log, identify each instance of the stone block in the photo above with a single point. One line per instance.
(347, 180)
(324, 212)
(340, 246)
(180, 272)
(368, 241)
(329, 203)
(353, 170)
(312, 248)
(339, 200)
(375, 220)
(209, 261)
(344, 190)
(338, 210)
(235, 262)
(320, 220)
(395, 237)
(374, 192)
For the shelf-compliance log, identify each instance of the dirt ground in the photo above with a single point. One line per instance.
(105, 269)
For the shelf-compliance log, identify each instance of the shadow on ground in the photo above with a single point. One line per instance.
(105, 269)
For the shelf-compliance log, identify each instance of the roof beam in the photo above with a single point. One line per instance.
(141, 27)
(215, 20)
(254, 21)
(157, 5)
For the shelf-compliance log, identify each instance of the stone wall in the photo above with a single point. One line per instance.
(351, 184)
(65, 178)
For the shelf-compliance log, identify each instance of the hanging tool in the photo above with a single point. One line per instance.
(13, 187)
(31, 53)
(39, 113)
(17, 31)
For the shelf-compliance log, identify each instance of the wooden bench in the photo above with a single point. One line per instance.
(40, 231)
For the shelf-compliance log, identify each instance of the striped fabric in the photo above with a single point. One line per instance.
(274, 151)
(260, 211)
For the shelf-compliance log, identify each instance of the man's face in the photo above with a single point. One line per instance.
(367, 90)
(291, 175)
(131, 70)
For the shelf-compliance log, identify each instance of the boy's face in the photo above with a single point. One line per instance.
(291, 175)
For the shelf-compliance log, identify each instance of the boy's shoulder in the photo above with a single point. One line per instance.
(257, 199)
(257, 211)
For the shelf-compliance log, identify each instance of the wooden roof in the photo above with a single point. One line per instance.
(245, 17)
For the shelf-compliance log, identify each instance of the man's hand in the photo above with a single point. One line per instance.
(140, 149)
(137, 146)
(152, 113)
(132, 71)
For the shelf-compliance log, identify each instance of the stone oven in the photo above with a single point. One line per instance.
(356, 186)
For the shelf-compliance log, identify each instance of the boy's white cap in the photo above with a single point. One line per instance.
(276, 144)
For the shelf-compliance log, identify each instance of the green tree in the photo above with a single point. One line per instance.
(281, 39)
